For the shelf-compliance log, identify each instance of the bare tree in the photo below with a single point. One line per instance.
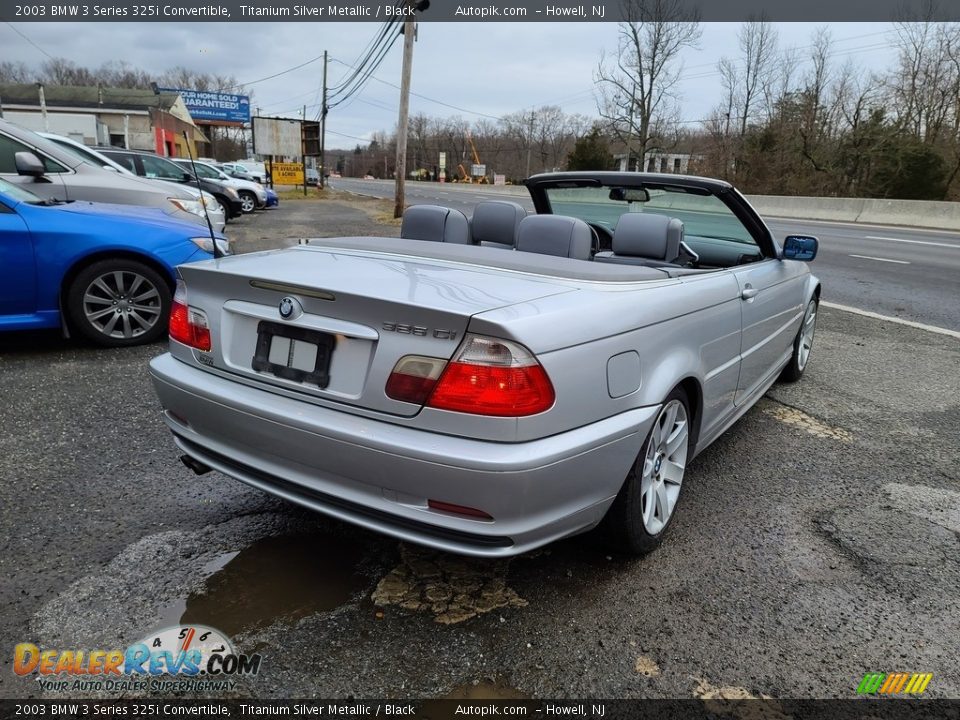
(15, 72)
(637, 85)
(758, 44)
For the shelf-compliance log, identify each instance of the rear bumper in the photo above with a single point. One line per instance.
(380, 474)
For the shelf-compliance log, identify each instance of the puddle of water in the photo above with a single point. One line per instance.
(273, 579)
(485, 691)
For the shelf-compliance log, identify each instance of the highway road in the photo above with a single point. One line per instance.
(907, 273)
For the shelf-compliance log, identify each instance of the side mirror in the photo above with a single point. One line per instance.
(800, 247)
(28, 164)
(187, 177)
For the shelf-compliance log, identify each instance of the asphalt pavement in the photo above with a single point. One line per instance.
(817, 540)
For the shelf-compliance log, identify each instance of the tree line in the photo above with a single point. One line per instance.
(790, 121)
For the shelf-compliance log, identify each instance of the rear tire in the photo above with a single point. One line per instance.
(642, 512)
(802, 344)
(118, 302)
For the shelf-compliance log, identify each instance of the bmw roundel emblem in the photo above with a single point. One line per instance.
(287, 307)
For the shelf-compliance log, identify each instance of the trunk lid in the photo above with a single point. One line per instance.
(369, 308)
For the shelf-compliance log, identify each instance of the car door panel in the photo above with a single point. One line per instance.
(771, 301)
(18, 274)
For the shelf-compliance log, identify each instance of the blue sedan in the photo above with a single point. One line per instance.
(105, 272)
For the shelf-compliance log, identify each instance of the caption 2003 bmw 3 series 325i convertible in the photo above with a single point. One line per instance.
(487, 387)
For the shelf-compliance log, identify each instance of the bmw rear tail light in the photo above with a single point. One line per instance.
(413, 378)
(188, 325)
(490, 376)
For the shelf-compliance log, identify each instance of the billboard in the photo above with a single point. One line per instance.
(214, 106)
(279, 137)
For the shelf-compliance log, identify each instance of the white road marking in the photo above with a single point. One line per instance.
(889, 318)
(912, 242)
(868, 257)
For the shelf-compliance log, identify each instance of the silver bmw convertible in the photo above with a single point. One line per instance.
(489, 385)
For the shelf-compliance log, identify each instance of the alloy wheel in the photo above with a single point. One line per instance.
(806, 334)
(663, 466)
(122, 304)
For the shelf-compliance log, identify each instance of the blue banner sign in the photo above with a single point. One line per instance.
(214, 106)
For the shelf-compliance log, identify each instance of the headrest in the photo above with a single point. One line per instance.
(496, 221)
(432, 222)
(555, 235)
(648, 235)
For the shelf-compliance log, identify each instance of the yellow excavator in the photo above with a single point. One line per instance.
(466, 177)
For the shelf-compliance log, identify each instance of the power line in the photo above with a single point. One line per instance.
(12, 27)
(364, 72)
(366, 54)
(270, 77)
(424, 97)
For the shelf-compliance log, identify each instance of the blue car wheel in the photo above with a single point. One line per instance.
(118, 302)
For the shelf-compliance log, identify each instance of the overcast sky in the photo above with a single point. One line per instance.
(487, 69)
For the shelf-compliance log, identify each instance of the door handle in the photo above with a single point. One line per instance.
(749, 293)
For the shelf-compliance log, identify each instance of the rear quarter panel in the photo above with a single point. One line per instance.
(681, 328)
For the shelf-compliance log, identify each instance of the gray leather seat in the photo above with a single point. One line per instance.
(495, 222)
(644, 239)
(555, 235)
(433, 222)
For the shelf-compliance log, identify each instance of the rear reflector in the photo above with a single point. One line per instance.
(493, 377)
(458, 510)
(188, 325)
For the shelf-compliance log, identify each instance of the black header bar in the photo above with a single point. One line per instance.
(466, 11)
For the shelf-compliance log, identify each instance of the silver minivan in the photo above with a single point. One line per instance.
(51, 171)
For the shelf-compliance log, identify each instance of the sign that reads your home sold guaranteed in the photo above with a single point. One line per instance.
(212, 106)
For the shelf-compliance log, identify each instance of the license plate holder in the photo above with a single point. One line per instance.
(319, 375)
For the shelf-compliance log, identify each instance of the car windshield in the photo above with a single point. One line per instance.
(702, 215)
(19, 194)
(205, 171)
(92, 157)
(75, 153)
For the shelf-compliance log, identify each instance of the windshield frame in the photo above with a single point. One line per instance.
(537, 185)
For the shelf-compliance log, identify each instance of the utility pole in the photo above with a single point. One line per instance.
(409, 31)
(303, 158)
(43, 108)
(323, 124)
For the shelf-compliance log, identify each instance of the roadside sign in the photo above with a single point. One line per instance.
(499, 179)
(287, 173)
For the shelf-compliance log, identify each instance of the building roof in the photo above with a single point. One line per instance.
(87, 97)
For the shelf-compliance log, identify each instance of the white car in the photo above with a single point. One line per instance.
(252, 194)
(218, 218)
(251, 167)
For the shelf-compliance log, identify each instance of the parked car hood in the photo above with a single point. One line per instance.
(136, 213)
